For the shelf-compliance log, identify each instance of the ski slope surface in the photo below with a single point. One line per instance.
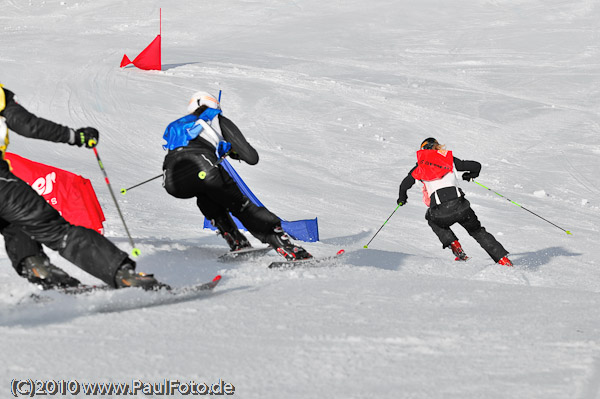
(336, 97)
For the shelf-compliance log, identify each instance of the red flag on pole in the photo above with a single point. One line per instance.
(150, 57)
(70, 194)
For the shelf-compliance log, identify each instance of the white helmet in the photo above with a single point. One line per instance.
(202, 98)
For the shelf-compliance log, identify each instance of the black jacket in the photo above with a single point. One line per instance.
(23, 122)
(27, 124)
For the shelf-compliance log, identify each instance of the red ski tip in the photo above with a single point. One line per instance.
(217, 278)
(341, 251)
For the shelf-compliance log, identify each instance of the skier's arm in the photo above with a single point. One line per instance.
(406, 184)
(471, 167)
(27, 124)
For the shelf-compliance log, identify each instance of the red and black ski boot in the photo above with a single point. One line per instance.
(458, 251)
(285, 247)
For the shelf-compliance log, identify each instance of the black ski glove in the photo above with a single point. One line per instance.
(87, 136)
(469, 176)
(401, 201)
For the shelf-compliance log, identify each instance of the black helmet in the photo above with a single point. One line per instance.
(428, 143)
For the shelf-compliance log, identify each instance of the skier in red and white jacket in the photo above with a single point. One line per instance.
(447, 204)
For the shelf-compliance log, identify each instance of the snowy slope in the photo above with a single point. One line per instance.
(336, 97)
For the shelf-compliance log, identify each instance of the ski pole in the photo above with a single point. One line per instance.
(124, 190)
(135, 252)
(522, 207)
(367, 245)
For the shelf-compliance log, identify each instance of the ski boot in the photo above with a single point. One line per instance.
(458, 251)
(505, 262)
(38, 270)
(236, 240)
(126, 276)
(234, 237)
(285, 247)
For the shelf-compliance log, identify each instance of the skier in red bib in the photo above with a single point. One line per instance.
(447, 204)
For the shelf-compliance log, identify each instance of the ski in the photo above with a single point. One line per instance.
(288, 264)
(189, 289)
(84, 289)
(43, 296)
(246, 253)
(87, 300)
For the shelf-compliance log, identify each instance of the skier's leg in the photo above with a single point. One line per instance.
(440, 219)
(93, 253)
(220, 192)
(196, 172)
(22, 207)
(30, 261)
(257, 219)
(260, 222)
(18, 245)
(220, 218)
(440, 227)
(266, 226)
(468, 219)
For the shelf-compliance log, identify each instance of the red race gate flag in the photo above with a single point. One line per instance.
(150, 57)
(70, 194)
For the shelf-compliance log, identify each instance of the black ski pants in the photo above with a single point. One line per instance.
(194, 172)
(459, 210)
(27, 220)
